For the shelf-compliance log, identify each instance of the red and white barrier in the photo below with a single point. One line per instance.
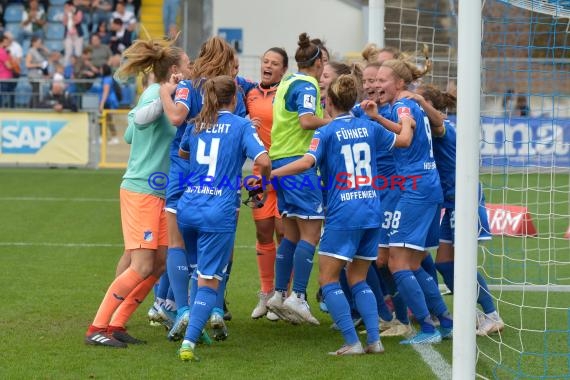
(510, 220)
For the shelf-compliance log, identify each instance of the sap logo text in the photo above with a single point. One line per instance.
(28, 136)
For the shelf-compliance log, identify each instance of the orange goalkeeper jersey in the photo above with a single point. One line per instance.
(259, 104)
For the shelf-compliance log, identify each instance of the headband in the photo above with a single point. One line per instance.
(312, 58)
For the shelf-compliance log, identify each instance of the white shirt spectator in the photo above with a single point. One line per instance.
(15, 48)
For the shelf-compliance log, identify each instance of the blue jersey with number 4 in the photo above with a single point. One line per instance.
(216, 159)
(345, 152)
(416, 162)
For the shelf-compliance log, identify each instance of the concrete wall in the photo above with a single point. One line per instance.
(268, 23)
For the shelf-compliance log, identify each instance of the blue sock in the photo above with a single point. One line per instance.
(303, 264)
(340, 311)
(347, 293)
(193, 287)
(411, 292)
(200, 312)
(431, 292)
(374, 283)
(429, 266)
(221, 292)
(365, 301)
(446, 271)
(284, 264)
(161, 290)
(400, 307)
(484, 297)
(177, 267)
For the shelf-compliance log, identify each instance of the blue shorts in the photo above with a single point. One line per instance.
(213, 250)
(178, 171)
(388, 201)
(299, 195)
(447, 228)
(415, 225)
(350, 244)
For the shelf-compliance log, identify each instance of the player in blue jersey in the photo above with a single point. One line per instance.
(415, 221)
(436, 102)
(216, 151)
(216, 57)
(389, 197)
(297, 112)
(344, 151)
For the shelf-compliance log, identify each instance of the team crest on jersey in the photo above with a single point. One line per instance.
(309, 101)
(404, 112)
(314, 144)
(182, 93)
(148, 235)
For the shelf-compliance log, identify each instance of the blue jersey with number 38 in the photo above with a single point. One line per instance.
(216, 159)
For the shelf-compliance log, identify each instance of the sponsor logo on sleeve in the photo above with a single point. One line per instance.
(314, 144)
(404, 112)
(182, 94)
(309, 102)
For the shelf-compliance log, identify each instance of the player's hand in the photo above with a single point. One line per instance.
(370, 107)
(256, 122)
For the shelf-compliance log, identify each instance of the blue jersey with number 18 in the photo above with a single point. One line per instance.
(345, 152)
(416, 162)
(216, 159)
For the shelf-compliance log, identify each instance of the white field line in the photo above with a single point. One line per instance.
(434, 360)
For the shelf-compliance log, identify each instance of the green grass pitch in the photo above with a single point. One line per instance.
(59, 244)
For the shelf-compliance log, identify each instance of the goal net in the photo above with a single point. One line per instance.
(525, 165)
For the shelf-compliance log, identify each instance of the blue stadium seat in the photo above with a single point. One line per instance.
(55, 13)
(57, 2)
(14, 28)
(54, 45)
(23, 93)
(13, 13)
(55, 31)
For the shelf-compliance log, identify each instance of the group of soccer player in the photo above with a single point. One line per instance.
(372, 124)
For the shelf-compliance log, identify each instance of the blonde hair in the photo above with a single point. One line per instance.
(371, 52)
(216, 58)
(156, 56)
(343, 92)
(407, 70)
(441, 101)
(218, 92)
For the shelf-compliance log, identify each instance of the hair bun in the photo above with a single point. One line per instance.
(304, 41)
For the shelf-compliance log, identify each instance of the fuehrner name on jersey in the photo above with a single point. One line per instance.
(355, 133)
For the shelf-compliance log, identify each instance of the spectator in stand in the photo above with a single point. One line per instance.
(100, 53)
(33, 21)
(14, 47)
(58, 99)
(136, 6)
(170, 9)
(108, 100)
(85, 70)
(121, 37)
(103, 32)
(73, 41)
(521, 107)
(37, 65)
(100, 13)
(127, 17)
(7, 84)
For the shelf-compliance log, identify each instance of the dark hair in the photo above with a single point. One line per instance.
(343, 92)
(282, 53)
(307, 52)
(105, 70)
(117, 21)
(218, 92)
(441, 101)
(321, 44)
